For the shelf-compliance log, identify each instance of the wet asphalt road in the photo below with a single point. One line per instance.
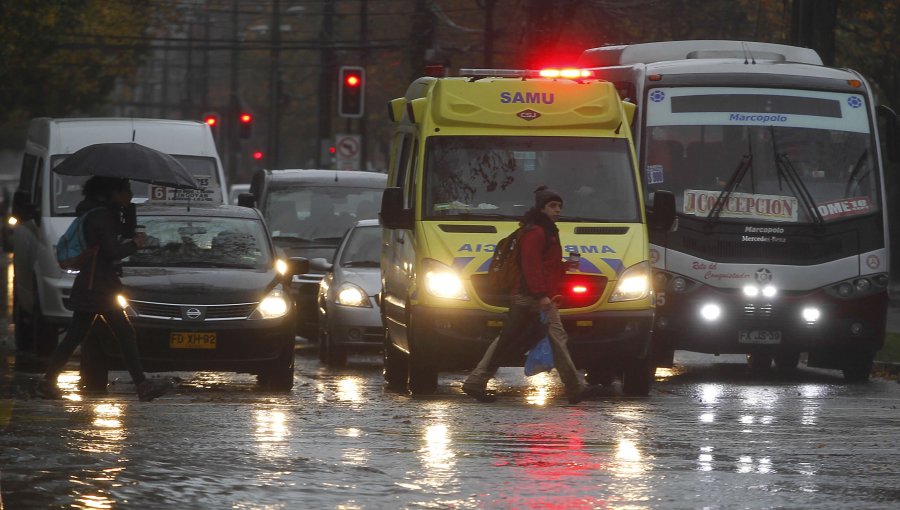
(711, 435)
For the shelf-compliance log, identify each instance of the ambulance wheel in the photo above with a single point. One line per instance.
(423, 377)
(759, 362)
(857, 367)
(638, 377)
(396, 366)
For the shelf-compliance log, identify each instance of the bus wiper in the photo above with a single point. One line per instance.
(745, 164)
(786, 169)
(856, 168)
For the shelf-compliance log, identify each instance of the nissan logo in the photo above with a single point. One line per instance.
(193, 313)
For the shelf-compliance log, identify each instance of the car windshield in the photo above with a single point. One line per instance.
(178, 241)
(320, 214)
(362, 248)
(66, 192)
(481, 177)
(775, 155)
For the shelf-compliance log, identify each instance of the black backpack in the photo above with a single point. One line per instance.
(505, 270)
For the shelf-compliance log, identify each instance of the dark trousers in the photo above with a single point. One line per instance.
(81, 324)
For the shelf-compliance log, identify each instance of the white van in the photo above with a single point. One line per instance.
(45, 205)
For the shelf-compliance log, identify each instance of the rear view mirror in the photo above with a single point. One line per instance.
(247, 200)
(662, 217)
(393, 215)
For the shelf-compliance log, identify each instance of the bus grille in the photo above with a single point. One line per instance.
(795, 252)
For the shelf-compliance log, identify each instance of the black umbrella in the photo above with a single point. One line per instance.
(128, 161)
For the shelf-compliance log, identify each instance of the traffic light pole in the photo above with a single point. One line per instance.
(364, 39)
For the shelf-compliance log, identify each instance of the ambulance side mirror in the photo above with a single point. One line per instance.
(662, 217)
(890, 132)
(392, 214)
(247, 200)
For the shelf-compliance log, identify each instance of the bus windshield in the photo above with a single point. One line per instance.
(489, 177)
(785, 156)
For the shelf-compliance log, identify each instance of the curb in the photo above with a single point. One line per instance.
(886, 369)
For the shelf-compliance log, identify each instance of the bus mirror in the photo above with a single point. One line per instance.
(663, 214)
(891, 134)
(247, 200)
(393, 215)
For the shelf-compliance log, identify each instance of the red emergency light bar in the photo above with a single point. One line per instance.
(568, 73)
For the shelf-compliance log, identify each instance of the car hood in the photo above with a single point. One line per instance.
(368, 278)
(197, 285)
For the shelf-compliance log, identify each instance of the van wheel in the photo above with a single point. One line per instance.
(396, 365)
(44, 336)
(423, 377)
(638, 377)
(280, 374)
(598, 375)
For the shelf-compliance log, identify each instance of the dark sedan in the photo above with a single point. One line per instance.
(206, 293)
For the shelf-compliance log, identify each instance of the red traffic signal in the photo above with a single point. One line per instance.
(245, 120)
(351, 91)
(258, 155)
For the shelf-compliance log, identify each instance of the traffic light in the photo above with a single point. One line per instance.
(258, 155)
(211, 119)
(245, 120)
(351, 91)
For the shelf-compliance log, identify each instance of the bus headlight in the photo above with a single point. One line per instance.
(273, 306)
(352, 295)
(633, 284)
(442, 281)
(711, 312)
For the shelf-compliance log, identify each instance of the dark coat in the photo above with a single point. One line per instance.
(97, 284)
(541, 252)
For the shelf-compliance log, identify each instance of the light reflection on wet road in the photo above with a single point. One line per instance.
(711, 435)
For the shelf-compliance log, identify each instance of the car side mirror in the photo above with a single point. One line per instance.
(247, 200)
(321, 264)
(22, 208)
(297, 266)
(663, 215)
(392, 214)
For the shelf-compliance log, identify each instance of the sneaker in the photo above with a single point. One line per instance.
(152, 388)
(479, 393)
(48, 391)
(576, 396)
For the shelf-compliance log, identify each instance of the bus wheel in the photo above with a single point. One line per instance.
(857, 367)
(759, 362)
(638, 376)
(396, 366)
(787, 361)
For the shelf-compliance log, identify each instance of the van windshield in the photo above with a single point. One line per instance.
(66, 191)
(469, 177)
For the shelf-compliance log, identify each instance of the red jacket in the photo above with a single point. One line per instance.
(541, 263)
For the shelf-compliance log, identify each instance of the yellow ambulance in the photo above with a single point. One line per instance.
(467, 154)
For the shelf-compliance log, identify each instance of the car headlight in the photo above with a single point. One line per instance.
(122, 301)
(442, 281)
(633, 284)
(352, 295)
(281, 267)
(273, 306)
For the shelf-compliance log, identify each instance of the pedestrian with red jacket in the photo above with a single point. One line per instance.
(537, 293)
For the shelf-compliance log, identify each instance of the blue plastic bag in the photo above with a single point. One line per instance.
(540, 357)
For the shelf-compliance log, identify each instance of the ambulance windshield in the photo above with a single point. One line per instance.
(488, 177)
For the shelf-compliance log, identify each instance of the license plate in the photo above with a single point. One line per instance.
(759, 336)
(192, 340)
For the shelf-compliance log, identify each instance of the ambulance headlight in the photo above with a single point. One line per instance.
(443, 281)
(633, 284)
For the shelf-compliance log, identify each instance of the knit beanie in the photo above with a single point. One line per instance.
(543, 194)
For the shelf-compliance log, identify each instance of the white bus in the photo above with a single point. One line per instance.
(782, 243)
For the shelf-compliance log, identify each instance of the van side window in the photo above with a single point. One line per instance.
(26, 178)
(38, 185)
(413, 178)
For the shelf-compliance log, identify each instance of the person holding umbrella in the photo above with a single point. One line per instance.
(97, 285)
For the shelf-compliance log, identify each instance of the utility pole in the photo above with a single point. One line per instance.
(327, 71)
(364, 59)
(813, 24)
(274, 86)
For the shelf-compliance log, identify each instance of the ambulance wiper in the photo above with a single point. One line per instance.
(744, 165)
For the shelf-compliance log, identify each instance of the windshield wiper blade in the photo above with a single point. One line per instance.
(745, 164)
(856, 168)
(786, 168)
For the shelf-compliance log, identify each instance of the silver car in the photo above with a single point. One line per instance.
(349, 313)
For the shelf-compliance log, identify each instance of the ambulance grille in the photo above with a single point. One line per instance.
(605, 231)
(469, 229)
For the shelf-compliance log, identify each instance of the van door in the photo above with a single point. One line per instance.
(26, 233)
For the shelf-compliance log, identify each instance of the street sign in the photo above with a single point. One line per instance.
(348, 152)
